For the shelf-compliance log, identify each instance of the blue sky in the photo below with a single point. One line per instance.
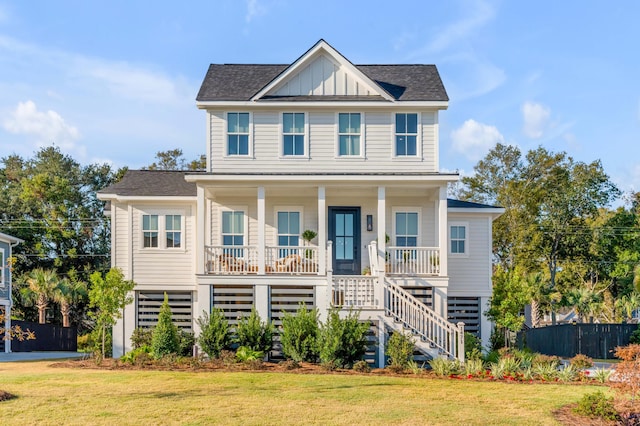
(116, 80)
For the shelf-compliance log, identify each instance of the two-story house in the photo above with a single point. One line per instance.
(7, 242)
(349, 152)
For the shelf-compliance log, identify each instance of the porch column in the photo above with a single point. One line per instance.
(382, 245)
(442, 231)
(440, 301)
(261, 230)
(7, 326)
(322, 231)
(200, 231)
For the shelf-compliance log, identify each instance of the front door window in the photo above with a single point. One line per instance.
(344, 231)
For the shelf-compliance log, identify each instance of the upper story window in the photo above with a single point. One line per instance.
(406, 134)
(173, 230)
(349, 129)
(293, 129)
(458, 238)
(238, 133)
(149, 230)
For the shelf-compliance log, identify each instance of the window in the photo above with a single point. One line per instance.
(406, 229)
(288, 232)
(406, 134)
(293, 133)
(150, 230)
(238, 133)
(173, 227)
(349, 134)
(233, 231)
(3, 266)
(458, 239)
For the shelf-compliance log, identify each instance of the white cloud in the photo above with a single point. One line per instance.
(480, 13)
(47, 127)
(536, 119)
(474, 140)
(254, 10)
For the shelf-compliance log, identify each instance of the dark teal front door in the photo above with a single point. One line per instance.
(344, 231)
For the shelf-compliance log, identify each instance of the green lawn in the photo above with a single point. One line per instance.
(49, 395)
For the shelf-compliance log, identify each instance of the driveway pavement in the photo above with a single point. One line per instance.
(38, 356)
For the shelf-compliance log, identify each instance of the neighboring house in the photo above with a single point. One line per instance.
(7, 242)
(347, 151)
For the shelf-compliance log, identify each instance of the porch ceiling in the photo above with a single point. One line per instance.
(307, 190)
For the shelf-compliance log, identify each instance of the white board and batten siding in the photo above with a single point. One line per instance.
(470, 274)
(378, 133)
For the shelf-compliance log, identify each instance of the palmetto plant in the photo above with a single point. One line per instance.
(39, 289)
(67, 293)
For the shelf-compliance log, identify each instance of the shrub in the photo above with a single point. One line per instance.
(444, 366)
(299, 335)
(137, 356)
(473, 367)
(550, 360)
(628, 370)
(215, 335)
(581, 361)
(96, 339)
(246, 354)
(568, 374)
(255, 334)
(85, 343)
(602, 375)
(545, 371)
(635, 336)
(289, 364)
(342, 341)
(164, 340)
(362, 366)
(186, 341)
(472, 346)
(141, 337)
(400, 351)
(596, 404)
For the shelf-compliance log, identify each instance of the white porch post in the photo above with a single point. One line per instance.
(200, 231)
(440, 301)
(442, 231)
(382, 245)
(261, 231)
(322, 231)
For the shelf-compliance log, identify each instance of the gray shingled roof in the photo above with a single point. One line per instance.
(238, 82)
(146, 183)
(459, 204)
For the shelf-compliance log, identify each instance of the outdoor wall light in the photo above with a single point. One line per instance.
(369, 222)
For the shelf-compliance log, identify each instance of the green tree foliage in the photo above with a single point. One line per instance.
(67, 294)
(510, 295)
(343, 341)
(38, 289)
(215, 335)
(255, 334)
(400, 351)
(164, 340)
(173, 159)
(109, 295)
(299, 336)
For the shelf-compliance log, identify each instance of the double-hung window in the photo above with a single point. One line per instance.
(458, 238)
(288, 232)
(233, 232)
(238, 133)
(349, 138)
(173, 230)
(293, 134)
(150, 230)
(406, 233)
(406, 134)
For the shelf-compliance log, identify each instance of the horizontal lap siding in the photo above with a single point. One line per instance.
(378, 133)
(471, 275)
(121, 237)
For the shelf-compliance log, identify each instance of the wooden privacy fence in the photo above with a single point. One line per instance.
(49, 337)
(567, 340)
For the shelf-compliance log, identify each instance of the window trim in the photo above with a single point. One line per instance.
(407, 209)
(162, 229)
(157, 231)
(281, 135)
(245, 234)
(278, 209)
(466, 238)
(225, 137)
(394, 147)
(362, 136)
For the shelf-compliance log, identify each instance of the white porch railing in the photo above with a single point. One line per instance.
(413, 261)
(355, 291)
(373, 258)
(234, 260)
(448, 338)
(292, 260)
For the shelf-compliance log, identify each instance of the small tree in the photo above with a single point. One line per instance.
(628, 370)
(67, 294)
(299, 335)
(109, 295)
(342, 341)
(215, 335)
(165, 339)
(40, 288)
(400, 351)
(255, 334)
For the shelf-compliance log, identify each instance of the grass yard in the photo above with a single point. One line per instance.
(54, 395)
